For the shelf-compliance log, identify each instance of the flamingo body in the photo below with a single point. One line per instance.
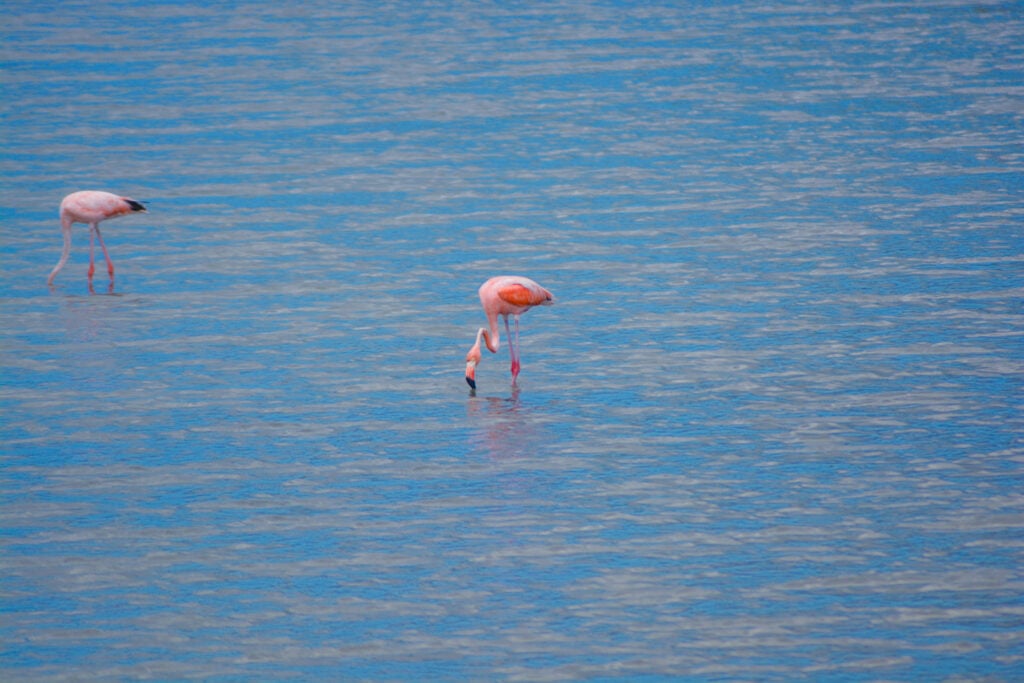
(91, 207)
(505, 295)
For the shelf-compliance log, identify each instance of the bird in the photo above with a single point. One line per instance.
(505, 295)
(91, 206)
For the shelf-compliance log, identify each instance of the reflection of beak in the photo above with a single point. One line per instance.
(471, 373)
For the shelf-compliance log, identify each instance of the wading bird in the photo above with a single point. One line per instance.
(91, 206)
(505, 295)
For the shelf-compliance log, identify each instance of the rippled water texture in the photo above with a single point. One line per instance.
(770, 430)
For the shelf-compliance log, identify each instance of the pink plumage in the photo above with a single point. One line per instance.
(91, 207)
(505, 295)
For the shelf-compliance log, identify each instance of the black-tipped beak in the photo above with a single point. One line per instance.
(471, 382)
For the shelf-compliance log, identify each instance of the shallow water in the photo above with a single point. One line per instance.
(770, 430)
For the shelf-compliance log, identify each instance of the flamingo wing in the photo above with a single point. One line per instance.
(518, 294)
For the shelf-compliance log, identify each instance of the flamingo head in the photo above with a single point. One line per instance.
(472, 360)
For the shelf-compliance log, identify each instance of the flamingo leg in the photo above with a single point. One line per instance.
(92, 259)
(516, 321)
(513, 346)
(106, 255)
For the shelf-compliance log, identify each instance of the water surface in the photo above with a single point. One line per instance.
(769, 431)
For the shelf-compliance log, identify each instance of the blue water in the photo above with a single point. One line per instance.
(770, 430)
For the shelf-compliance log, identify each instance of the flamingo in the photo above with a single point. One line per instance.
(505, 295)
(91, 206)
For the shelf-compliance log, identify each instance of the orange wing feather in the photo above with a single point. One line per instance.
(520, 295)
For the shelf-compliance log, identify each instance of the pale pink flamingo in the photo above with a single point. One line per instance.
(505, 295)
(91, 206)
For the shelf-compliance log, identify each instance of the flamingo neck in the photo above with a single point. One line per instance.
(66, 229)
(490, 337)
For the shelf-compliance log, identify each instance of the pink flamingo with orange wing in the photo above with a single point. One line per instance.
(505, 295)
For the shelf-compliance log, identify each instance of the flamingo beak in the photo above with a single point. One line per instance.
(471, 373)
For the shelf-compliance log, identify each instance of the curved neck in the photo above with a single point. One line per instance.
(490, 336)
(66, 229)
